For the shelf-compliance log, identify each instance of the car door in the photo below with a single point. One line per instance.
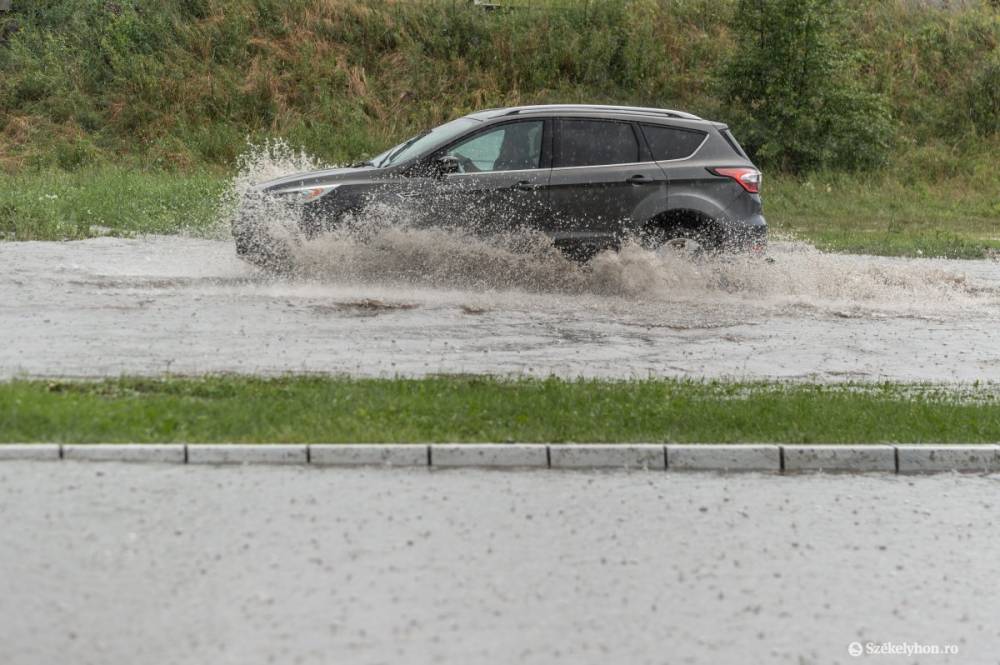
(603, 180)
(675, 147)
(502, 177)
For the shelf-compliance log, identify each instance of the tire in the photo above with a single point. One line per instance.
(675, 241)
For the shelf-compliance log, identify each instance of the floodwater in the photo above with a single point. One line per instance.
(112, 563)
(416, 302)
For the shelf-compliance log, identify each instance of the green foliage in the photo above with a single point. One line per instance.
(54, 204)
(983, 95)
(953, 213)
(184, 83)
(792, 81)
(174, 80)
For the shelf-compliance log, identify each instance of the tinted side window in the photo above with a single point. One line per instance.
(672, 142)
(596, 142)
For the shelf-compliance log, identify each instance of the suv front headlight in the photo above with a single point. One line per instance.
(306, 194)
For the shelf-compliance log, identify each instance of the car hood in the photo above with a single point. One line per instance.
(324, 177)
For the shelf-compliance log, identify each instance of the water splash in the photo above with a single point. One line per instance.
(270, 159)
(273, 158)
(387, 245)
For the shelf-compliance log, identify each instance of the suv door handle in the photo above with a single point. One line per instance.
(527, 186)
(640, 180)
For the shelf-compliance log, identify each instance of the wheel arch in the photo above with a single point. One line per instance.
(684, 222)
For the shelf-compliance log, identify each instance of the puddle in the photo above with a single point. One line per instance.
(107, 306)
(363, 307)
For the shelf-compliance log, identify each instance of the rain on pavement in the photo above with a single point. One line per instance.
(418, 301)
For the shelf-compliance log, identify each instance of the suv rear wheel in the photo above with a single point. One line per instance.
(681, 232)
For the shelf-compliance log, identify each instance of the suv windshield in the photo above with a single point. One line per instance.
(421, 144)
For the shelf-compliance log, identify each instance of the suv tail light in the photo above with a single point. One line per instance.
(749, 179)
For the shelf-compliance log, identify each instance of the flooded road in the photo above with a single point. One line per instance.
(112, 563)
(417, 303)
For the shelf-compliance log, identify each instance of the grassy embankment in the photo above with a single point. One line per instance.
(307, 409)
(128, 116)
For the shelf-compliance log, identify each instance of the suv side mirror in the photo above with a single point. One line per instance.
(446, 165)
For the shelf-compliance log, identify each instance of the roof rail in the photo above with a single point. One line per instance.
(600, 107)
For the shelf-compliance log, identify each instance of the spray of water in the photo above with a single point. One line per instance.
(273, 158)
(384, 246)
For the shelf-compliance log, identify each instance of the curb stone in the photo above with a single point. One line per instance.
(930, 459)
(509, 455)
(608, 456)
(857, 459)
(29, 451)
(360, 454)
(247, 453)
(125, 452)
(923, 458)
(723, 457)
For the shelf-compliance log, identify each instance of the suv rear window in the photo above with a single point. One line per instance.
(672, 142)
(596, 142)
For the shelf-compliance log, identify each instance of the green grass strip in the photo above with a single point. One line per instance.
(116, 201)
(441, 409)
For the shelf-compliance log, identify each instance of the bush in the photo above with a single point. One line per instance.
(181, 83)
(792, 87)
(983, 96)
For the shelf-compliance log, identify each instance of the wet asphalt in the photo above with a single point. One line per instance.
(114, 563)
(414, 303)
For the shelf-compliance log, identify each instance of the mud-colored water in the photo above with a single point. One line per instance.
(416, 302)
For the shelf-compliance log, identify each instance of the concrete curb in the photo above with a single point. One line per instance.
(366, 454)
(608, 456)
(723, 457)
(508, 455)
(247, 453)
(29, 451)
(773, 458)
(856, 459)
(931, 458)
(125, 452)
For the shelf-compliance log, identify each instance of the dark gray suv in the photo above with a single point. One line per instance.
(587, 176)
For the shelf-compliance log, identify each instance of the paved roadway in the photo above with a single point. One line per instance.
(111, 563)
(423, 303)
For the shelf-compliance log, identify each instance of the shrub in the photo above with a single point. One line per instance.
(173, 81)
(983, 96)
(790, 83)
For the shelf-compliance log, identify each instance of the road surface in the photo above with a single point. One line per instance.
(416, 303)
(111, 563)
